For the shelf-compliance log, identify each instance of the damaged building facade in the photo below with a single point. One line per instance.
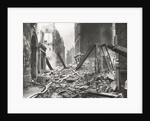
(36, 46)
(121, 39)
(58, 46)
(95, 67)
(102, 33)
(88, 33)
(33, 54)
(54, 44)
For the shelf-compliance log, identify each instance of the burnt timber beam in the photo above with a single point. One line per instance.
(105, 58)
(48, 64)
(86, 55)
(61, 59)
(118, 49)
(42, 51)
(109, 57)
(103, 94)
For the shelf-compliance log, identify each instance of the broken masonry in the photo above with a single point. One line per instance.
(80, 82)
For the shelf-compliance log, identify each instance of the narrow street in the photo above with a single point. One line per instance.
(88, 69)
(68, 83)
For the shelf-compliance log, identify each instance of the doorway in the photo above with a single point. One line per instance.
(33, 57)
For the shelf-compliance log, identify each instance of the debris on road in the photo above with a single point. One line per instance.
(81, 81)
(71, 83)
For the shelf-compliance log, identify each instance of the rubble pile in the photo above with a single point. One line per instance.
(68, 83)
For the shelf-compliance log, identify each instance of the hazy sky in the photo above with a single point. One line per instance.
(66, 31)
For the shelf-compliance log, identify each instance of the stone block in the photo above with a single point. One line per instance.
(42, 79)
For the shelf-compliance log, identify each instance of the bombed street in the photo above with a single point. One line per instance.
(75, 60)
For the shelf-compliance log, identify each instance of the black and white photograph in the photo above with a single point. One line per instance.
(74, 60)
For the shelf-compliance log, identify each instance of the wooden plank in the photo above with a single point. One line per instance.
(48, 64)
(110, 95)
(85, 56)
(105, 58)
(109, 57)
(61, 60)
(42, 51)
(118, 49)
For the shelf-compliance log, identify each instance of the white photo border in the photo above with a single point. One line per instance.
(18, 16)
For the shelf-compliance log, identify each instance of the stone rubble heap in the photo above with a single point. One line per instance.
(68, 83)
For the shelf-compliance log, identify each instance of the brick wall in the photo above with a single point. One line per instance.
(26, 53)
(121, 32)
(28, 34)
(58, 46)
(87, 33)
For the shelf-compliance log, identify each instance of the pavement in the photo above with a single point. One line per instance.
(27, 92)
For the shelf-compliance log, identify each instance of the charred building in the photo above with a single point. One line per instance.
(58, 47)
(88, 33)
(34, 57)
(121, 40)
(102, 33)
